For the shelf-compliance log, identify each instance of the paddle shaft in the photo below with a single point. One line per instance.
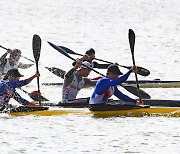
(132, 43)
(37, 70)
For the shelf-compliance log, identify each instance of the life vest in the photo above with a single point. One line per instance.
(70, 92)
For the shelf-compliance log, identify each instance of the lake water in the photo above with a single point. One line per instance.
(102, 25)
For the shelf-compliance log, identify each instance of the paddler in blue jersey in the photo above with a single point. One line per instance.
(11, 62)
(107, 86)
(8, 88)
(74, 80)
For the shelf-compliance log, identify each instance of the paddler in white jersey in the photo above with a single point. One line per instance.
(11, 62)
(74, 80)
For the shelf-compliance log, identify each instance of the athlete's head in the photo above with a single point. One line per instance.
(12, 74)
(113, 71)
(91, 54)
(85, 69)
(15, 55)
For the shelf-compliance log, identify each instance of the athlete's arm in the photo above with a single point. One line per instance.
(19, 99)
(121, 79)
(122, 96)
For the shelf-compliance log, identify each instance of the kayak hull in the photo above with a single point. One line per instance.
(151, 102)
(152, 111)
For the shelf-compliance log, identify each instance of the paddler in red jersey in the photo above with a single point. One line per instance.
(107, 86)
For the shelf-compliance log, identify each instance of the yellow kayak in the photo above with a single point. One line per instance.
(152, 111)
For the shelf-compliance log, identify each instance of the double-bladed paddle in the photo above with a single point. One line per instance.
(36, 46)
(141, 71)
(131, 36)
(131, 89)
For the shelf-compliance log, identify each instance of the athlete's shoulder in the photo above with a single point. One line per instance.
(103, 80)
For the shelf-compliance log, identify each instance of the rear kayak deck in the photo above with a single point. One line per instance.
(152, 111)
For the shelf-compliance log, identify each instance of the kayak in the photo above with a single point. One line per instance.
(151, 102)
(156, 84)
(136, 112)
(124, 110)
(142, 84)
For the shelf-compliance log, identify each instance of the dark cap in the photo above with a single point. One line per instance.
(90, 51)
(12, 73)
(114, 69)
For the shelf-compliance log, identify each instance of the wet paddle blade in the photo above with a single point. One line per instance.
(60, 50)
(57, 71)
(132, 41)
(35, 97)
(36, 45)
(142, 71)
(68, 50)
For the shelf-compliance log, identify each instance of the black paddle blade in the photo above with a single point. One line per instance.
(60, 50)
(71, 52)
(35, 97)
(134, 91)
(132, 40)
(36, 45)
(57, 71)
(67, 50)
(142, 71)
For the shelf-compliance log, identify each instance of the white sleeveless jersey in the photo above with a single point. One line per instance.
(70, 92)
(7, 67)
